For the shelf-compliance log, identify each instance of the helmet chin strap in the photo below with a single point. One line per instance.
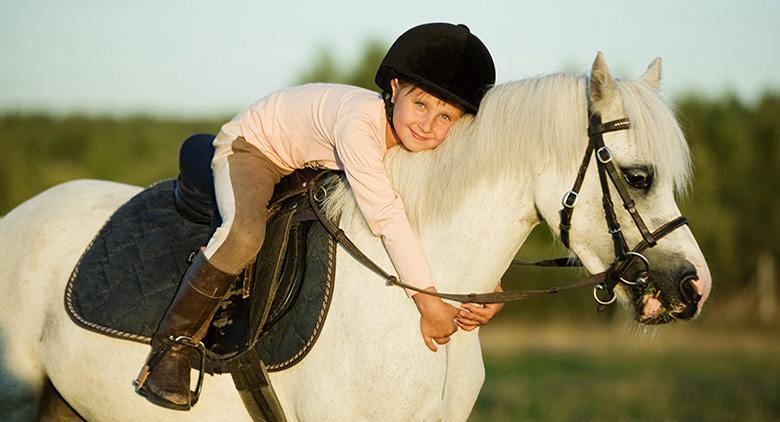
(387, 97)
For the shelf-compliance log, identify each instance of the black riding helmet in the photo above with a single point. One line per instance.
(444, 59)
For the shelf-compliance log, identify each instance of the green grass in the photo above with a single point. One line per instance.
(550, 384)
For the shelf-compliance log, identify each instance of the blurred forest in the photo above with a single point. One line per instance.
(732, 209)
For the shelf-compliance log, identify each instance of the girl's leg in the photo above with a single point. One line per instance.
(244, 181)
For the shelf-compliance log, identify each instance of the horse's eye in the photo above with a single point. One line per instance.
(640, 177)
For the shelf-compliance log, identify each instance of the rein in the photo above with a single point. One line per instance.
(603, 282)
(391, 280)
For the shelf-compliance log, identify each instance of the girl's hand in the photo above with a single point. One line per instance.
(437, 319)
(472, 315)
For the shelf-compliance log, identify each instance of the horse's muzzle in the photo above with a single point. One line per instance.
(671, 293)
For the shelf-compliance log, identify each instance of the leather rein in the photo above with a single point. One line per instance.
(603, 282)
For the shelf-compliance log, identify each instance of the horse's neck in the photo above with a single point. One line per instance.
(470, 251)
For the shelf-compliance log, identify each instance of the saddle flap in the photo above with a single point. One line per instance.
(268, 267)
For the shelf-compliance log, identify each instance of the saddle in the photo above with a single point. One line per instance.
(275, 308)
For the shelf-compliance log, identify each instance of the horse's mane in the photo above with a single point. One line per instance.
(520, 125)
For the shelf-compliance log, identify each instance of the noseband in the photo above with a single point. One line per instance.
(606, 168)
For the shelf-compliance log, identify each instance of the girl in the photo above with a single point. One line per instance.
(430, 77)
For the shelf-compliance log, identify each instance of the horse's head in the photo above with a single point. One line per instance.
(650, 158)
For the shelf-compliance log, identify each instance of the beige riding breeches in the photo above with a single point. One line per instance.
(244, 181)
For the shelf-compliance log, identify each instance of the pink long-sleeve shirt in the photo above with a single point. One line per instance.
(339, 127)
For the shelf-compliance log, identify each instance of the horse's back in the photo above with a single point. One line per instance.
(50, 230)
(62, 215)
(82, 191)
(42, 238)
(47, 233)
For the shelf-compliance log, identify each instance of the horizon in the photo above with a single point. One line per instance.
(197, 59)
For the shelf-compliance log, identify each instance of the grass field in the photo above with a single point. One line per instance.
(565, 371)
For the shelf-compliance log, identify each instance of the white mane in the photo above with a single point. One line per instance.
(521, 125)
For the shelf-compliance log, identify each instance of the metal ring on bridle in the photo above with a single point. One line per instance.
(601, 286)
(320, 197)
(647, 269)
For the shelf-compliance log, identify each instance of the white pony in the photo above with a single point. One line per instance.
(473, 201)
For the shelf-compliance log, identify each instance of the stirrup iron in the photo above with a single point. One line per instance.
(154, 360)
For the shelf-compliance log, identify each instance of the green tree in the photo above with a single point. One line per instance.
(733, 207)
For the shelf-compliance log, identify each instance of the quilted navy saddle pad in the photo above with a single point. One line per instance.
(128, 276)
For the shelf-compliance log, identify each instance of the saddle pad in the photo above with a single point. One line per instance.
(128, 276)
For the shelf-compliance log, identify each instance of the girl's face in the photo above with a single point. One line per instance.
(421, 120)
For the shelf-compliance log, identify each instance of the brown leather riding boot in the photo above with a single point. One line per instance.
(165, 379)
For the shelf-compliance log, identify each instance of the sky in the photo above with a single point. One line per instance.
(207, 58)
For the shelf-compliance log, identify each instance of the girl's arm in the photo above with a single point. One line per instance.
(362, 154)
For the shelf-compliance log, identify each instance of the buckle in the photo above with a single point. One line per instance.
(569, 199)
(604, 155)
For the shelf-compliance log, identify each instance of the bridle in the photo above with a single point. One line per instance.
(603, 283)
(623, 256)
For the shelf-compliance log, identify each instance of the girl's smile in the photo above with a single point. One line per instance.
(420, 120)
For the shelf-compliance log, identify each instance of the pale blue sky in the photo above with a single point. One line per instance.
(200, 57)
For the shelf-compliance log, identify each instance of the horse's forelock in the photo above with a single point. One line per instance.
(657, 133)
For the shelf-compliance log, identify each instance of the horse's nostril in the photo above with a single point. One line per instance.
(690, 295)
(689, 290)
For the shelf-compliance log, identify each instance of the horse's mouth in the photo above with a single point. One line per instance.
(651, 308)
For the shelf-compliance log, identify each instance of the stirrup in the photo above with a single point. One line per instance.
(138, 383)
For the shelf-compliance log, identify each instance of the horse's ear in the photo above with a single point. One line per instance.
(652, 75)
(602, 85)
